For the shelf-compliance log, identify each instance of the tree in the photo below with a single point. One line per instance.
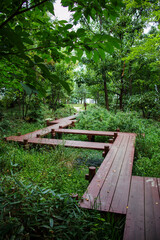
(29, 37)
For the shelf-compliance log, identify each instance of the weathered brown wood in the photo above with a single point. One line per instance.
(74, 196)
(69, 143)
(42, 132)
(121, 193)
(134, 227)
(25, 141)
(106, 193)
(63, 119)
(85, 132)
(87, 176)
(115, 136)
(92, 172)
(106, 150)
(90, 197)
(47, 122)
(152, 209)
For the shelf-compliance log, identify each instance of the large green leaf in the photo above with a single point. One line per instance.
(28, 89)
(95, 56)
(44, 69)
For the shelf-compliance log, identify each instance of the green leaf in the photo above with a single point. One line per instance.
(66, 86)
(50, 7)
(80, 32)
(27, 40)
(102, 53)
(114, 41)
(77, 16)
(28, 89)
(74, 59)
(37, 59)
(51, 222)
(79, 53)
(96, 37)
(89, 54)
(95, 56)
(68, 26)
(44, 69)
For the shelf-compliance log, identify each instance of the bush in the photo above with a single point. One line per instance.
(148, 103)
(29, 212)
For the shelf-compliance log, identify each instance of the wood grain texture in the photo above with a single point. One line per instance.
(90, 197)
(69, 143)
(121, 195)
(134, 227)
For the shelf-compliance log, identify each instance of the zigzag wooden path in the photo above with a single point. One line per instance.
(113, 188)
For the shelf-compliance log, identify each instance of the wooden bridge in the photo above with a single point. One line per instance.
(112, 188)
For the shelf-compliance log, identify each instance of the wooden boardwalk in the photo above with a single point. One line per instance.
(109, 189)
(143, 213)
(113, 188)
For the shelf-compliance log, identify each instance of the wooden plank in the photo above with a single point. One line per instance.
(41, 132)
(63, 119)
(108, 189)
(134, 227)
(84, 132)
(120, 198)
(69, 143)
(90, 197)
(152, 209)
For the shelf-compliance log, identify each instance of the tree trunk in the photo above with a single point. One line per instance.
(105, 88)
(130, 80)
(122, 89)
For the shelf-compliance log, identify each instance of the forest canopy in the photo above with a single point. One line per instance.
(118, 62)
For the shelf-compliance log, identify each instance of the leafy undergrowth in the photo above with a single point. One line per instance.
(35, 201)
(30, 212)
(36, 184)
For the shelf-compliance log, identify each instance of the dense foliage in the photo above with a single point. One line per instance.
(36, 185)
(147, 157)
(104, 53)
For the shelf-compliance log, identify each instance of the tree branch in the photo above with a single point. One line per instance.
(17, 12)
(12, 16)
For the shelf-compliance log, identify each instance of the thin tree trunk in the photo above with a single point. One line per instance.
(122, 89)
(130, 80)
(105, 88)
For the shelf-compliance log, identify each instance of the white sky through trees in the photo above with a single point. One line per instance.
(61, 13)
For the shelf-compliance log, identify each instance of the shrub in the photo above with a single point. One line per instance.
(29, 212)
